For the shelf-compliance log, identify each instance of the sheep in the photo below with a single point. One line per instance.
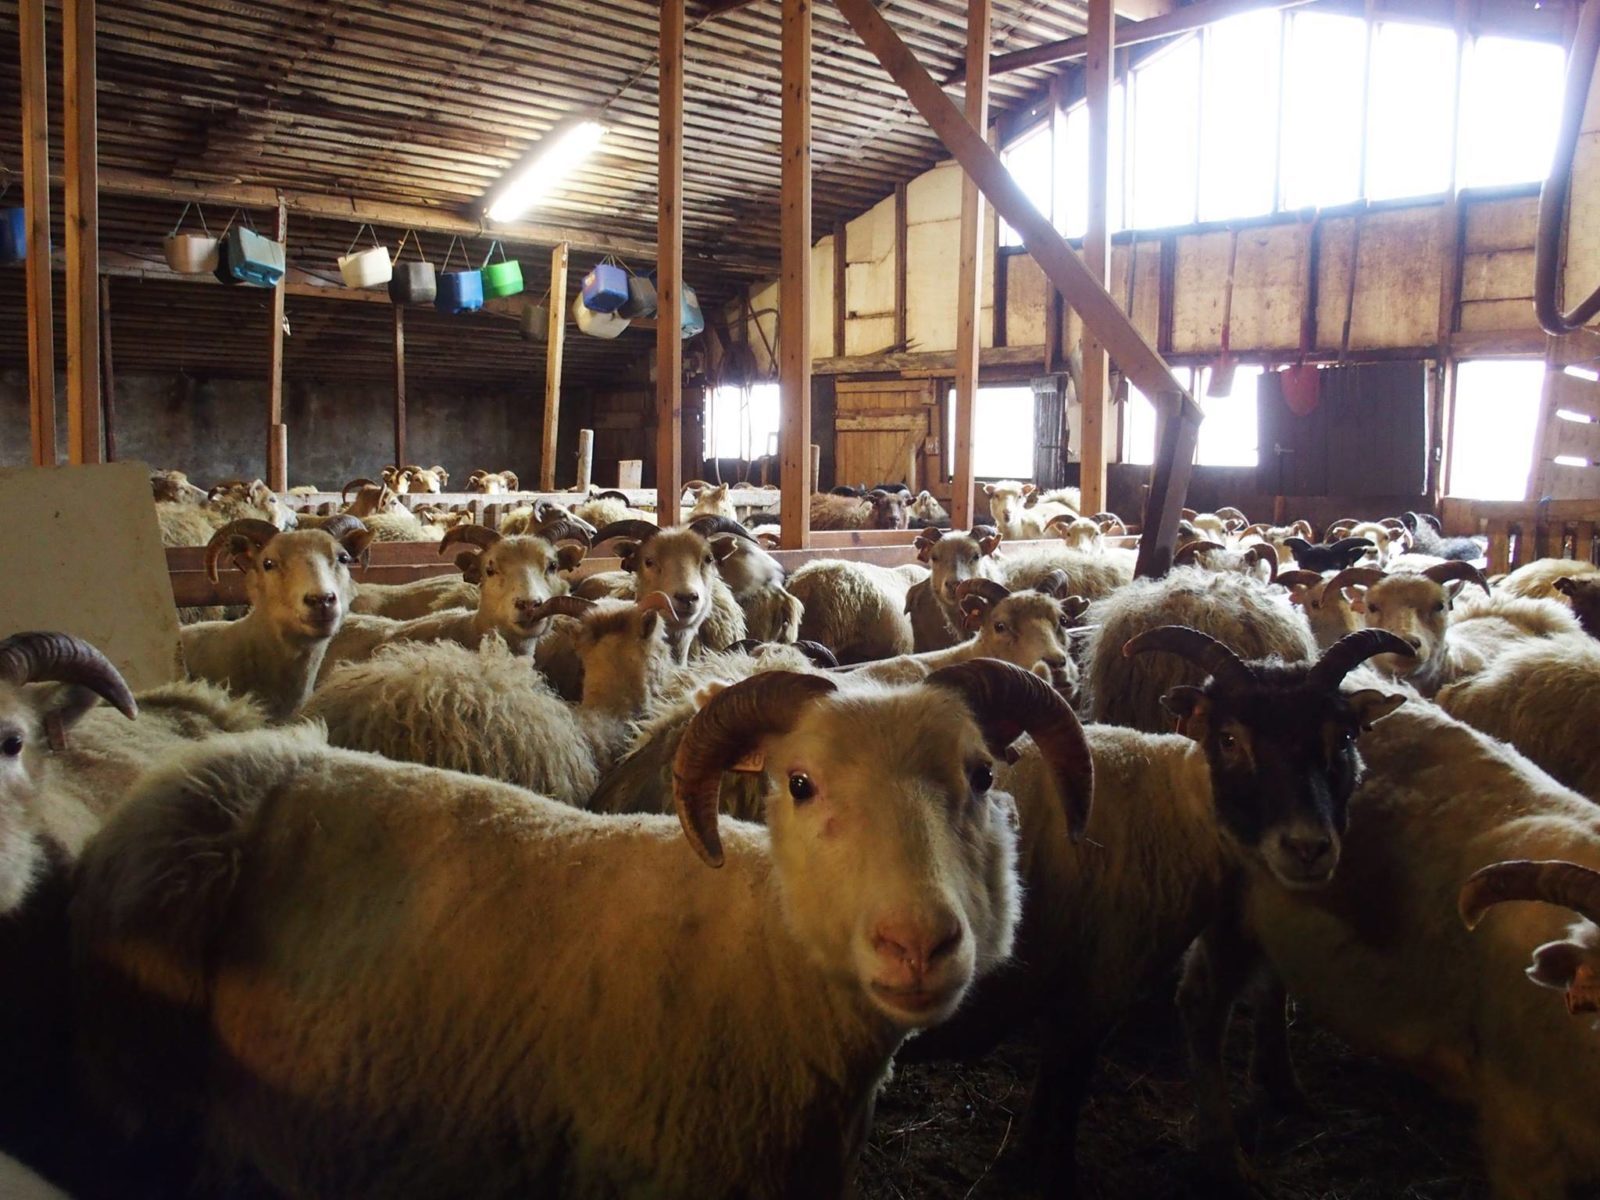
(1093, 575)
(1018, 511)
(951, 559)
(485, 712)
(1328, 612)
(34, 722)
(1175, 819)
(926, 512)
(1225, 526)
(493, 482)
(1277, 536)
(1082, 533)
(1584, 596)
(1380, 957)
(1427, 537)
(529, 517)
(300, 590)
(173, 487)
(1334, 556)
(1570, 966)
(1229, 607)
(1256, 561)
(878, 509)
(417, 480)
(1389, 537)
(240, 499)
(185, 524)
(377, 506)
(1419, 606)
(710, 502)
(610, 508)
(514, 576)
(812, 956)
(755, 579)
(437, 521)
(419, 598)
(1537, 580)
(857, 610)
(1544, 699)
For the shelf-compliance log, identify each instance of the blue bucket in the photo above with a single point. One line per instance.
(459, 292)
(13, 235)
(605, 289)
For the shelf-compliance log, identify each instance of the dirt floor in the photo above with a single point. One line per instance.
(951, 1130)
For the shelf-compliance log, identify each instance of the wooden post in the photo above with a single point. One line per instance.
(1177, 434)
(794, 287)
(108, 378)
(841, 283)
(36, 197)
(1098, 72)
(400, 455)
(969, 303)
(277, 431)
(555, 348)
(816, 468)
(83, 233)
(585, 459)
(669, 268)
(630, 474)
(900, 221)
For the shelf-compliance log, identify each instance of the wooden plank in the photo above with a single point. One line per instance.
(969, 273)
(585, 460)
(900, 265)
(82, 203)
(108, 378)
(555, 347)
(1178, 435)
(277, 432)
(1575, 439)
(841, 268)
(794, 289)
(1096, 420)
(36, 198)
(1576, 394)
(1499, 547)
(1099, 311)
(400, 455)
(669, 261)
(880, 424)
(629, 473)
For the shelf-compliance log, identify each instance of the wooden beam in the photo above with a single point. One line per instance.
(277, 431)
(401, 458)
(969, 274)
(669, 267)
(555, 350)
(82, 202)
(1177, 434)
(794, 281)
(585, 459)
(36, 198)
(841, 281)
(108, 378)
(1018, 362)
(1096, 425)
(900, 266)
(1061, 265)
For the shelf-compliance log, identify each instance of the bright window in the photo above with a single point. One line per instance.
(1002, 447)
(1029, 162)
(742, 423)
(1139, 429)
(1229, 433)
(1510, 108)
(1409, 114)
(1239, 106)
(1165, 137)
(1496, 410)
(1322, 76)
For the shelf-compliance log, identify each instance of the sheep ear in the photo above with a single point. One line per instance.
(569, 555)
(1453, 589)
(1190, 707)
(724, 546)
(1373, 706)
(627, 551)
(752, 763)
(1028, 489)
(988, 489)
(1565, 585)
(647, 626)
(467, 561)
(973, 610)
(61, 706)
(358, 545)
(1356, 597)
(988, 545)
(924, 547)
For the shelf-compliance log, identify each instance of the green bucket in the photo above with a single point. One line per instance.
(502, 278)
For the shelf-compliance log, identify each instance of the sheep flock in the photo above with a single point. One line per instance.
(621, 855)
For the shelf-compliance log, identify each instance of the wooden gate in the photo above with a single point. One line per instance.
(886, 432)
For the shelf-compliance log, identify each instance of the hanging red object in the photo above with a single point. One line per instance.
(1302, 388)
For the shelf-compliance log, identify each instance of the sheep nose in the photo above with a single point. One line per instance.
(1307, 851)
(322, 603)
(686, 600)
(915, 946)
(526, 604)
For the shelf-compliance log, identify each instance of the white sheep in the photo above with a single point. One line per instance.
(1020, 512)
(857, 610)
(300, 591)
(1570, 966)
(755, 579)
(951, 559)
(682, 564)
(269, 893)
(880, 508)
(493, 482)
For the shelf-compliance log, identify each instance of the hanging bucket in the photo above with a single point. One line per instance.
(691, 320)
(641, 298)
(605, 289)
(597, 324)
(412, 282)
(248, 257)
(459, 291)
(535, 321)
(13, 235)
(224, 268)
(191, 253)
(503, 278)
(365, 268)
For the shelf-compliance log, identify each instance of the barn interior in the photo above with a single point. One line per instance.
(1073, 357)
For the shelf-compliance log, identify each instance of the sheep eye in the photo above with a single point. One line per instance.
(550, 569)
(982, 778)
(801, 787)
(1227, 741)
(12, 746)
(345, 560)
(1372, 608)
(1438, 608)
(649, 562)
(999, 626)
(269, 564)
(708, 560)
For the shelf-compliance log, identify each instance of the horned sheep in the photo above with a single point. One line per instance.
(856, 609)
(878, 509)
(860, 937)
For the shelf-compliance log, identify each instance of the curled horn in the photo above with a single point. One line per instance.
(1203, 650)
(1189, 514)
(1445, 572)
(641, 531)
(354, 484)
(1185, 557)
(1230, 513)
(1007, 702)
(62, 658)
(1344, 523)
(342, 525)
(1350, 651)
(1350, 543)
(562, 528)
(1263, 552)
(725, 731)
(707, 526)
(1257, 530)
(1304, 526)
(1553, 882)
(819, 654)
(473, 535)
(988, 590)
(1060, 519)
(1393, 523)
(1109, 522)
(1353, 577)
(613, 494)
(257, 532)
(567, 606)
(1054, 584)
(1294, 579)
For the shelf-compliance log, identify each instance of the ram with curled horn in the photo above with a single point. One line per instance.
(1570, 965)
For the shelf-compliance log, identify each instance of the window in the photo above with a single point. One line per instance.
(1322, 76)
(1029, 161)
(1409, 110)
(1072, 170)
(1508, 131)
(1239, 104)
(1002, 447)
(1166, 137)
(1139, 429)
(1228, 435)
(742, 423)
(1496, 411)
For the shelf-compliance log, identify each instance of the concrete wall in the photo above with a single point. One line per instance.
(216, 429)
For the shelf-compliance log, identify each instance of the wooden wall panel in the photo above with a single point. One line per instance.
(879, 428)
(822, 299)
(1398, 247)
(1146, 264)
(1026, 301)
(870, 280)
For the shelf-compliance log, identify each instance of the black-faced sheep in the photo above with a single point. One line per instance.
(878, 509)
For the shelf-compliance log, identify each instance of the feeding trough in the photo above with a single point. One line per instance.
(412, 282)
(605, 289)
(459, 291)
(503, 278)
(190, 253)
(245, 256)
(365, 268)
